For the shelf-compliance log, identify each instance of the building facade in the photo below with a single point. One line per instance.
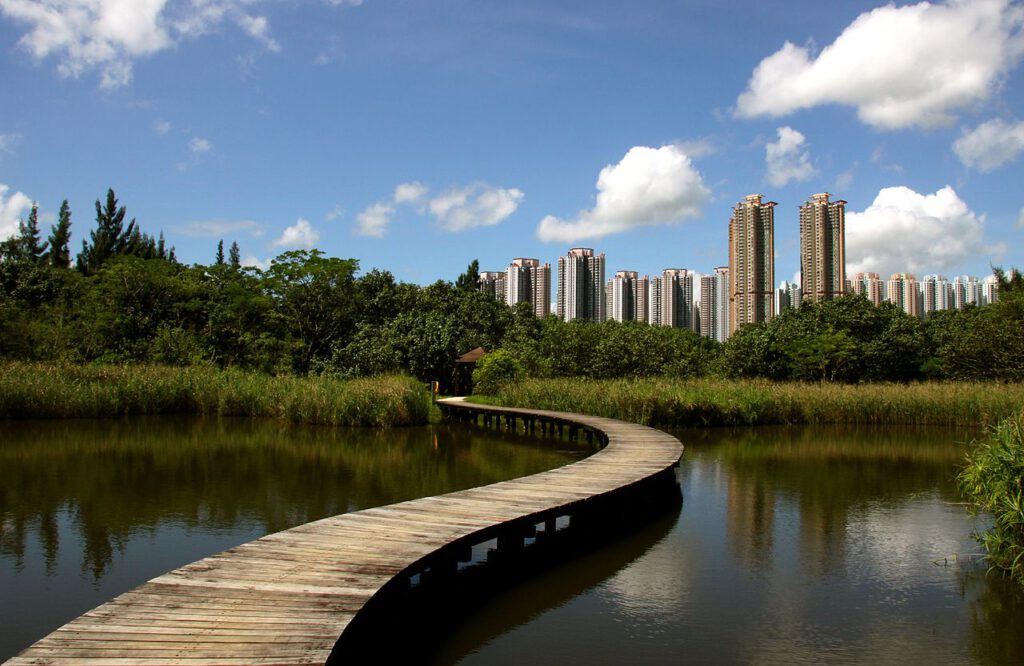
(581, 285)
(870, 286)
(677, 298)
(527, 281)
(822, 248)
(751, 262)
(492, 283)
(622, 296)
(903, 292)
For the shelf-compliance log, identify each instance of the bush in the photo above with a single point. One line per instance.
(993, 481)
(495, 371)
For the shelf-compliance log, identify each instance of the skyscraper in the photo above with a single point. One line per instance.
(527, 281)
(643, 298)
(623, 296)
(654, 301)
(722, 303)
(868, 285)
(822, 248)
(903, 292)
(708, 306)
(581, 285)
(677, 298)
(936, 294)
(492, 283)
(751, 261)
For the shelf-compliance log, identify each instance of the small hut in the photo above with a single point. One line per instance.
(462, 377)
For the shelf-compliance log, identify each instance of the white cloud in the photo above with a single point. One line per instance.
(12, 209)
(648, 186)
(220, 228)
(906, 66)
(375, 220)
(162, 127)
(255, 262)
(109, 35)
(904, 231)
(990, 145)
(409, 192)
(258, 27)
(787, 159)
(199, 145)
(334, 213)
(300, 235)
(478, 205)
(697, 148)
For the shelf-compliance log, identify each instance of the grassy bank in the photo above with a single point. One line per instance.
(700, 402)
(993, 481)
(30, 390)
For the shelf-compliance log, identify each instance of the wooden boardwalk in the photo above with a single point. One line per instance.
(287, 598)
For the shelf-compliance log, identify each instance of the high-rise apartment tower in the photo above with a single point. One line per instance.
(581, 285)
(751, 261)
(822, 248)
(527, 281)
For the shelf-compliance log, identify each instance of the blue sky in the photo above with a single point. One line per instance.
(417, 135)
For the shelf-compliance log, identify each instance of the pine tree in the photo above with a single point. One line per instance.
(235, 256)
(29, 246)
(59, 255)
(110, 238)
(219, 261)
(469, 281)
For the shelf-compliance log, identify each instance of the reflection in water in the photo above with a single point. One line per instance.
(794, 545)
(89, 509)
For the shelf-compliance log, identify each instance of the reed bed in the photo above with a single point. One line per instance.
(713, 402)
(29, 390)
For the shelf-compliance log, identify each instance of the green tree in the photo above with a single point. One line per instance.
(496, 370)
(315, 295)
(470, 280)
(219, 260)
(235, 256)
(59, 255)
(109, 239)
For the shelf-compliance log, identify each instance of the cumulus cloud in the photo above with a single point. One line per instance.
(12, 209)
(904, 231)
(914, 65)
(109, 35)
(375, 220)
(409, 193)
(648, 186)
(990, 145)
(787, 159)
(199, 145)
(478, 205)
(300, 235)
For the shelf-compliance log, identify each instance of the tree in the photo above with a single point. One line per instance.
(219, 259)
(29, 246)
(470, 280)
(110, 238)
(59, 255)
(235, 256)
(316, 296)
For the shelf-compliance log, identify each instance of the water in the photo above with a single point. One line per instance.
(793, 545)
(90, 509)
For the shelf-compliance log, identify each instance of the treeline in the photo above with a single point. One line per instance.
(127, 299)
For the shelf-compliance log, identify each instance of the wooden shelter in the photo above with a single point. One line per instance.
(462, 377)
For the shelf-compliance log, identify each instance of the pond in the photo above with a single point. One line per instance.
(792, 545)
(90, 509)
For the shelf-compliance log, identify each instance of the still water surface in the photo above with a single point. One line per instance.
(793, 545)
(90, 509)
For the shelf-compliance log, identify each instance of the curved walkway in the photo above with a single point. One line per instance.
(287, 598)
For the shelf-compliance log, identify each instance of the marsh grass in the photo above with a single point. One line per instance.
(703, 402)
(993, 481)
(30, 390)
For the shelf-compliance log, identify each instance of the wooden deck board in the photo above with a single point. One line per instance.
(287, 597)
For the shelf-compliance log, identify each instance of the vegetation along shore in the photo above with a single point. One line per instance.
(38, 390)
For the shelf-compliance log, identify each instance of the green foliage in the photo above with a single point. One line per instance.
(993, 481)
(59, 254)
(495, 371)
(470, 280)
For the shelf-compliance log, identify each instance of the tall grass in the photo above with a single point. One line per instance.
(993, 480)
(29, 390)
(700, 402)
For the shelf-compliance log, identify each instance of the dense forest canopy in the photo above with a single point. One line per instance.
(127, 299)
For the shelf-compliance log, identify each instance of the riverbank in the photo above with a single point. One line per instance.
(711, 402)
(35, 390)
